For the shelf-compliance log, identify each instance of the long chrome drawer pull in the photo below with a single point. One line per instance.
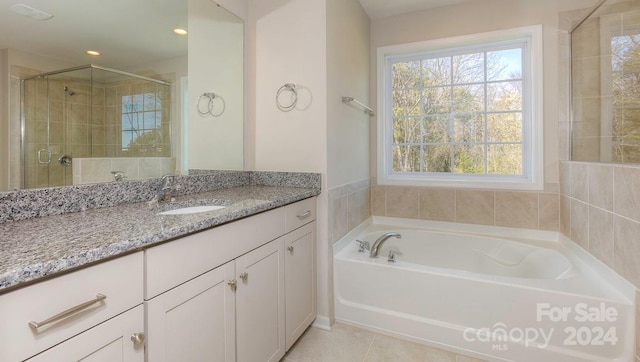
(304, 214)
(68, 312)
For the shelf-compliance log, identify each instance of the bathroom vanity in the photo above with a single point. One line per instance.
(235, 284)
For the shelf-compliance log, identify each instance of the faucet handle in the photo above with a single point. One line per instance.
(392, 256)
(363, 246)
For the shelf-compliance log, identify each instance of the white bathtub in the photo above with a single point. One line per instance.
(494, 293)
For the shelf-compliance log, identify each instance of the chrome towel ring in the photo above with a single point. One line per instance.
(288, 87)
(206, 107)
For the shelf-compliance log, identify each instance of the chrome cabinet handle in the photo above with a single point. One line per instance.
(244, 276)
(137, 339)
(73, 310)
(290, 248)
(304, 214)
(233, 284)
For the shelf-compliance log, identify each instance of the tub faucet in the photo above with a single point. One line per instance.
(380, 240)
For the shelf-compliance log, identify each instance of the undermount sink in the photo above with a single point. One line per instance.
(191, 206)
(191, 210)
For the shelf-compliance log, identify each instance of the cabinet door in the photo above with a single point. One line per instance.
(194, 321)
(107, 342)
(300, 281)
(260, 303)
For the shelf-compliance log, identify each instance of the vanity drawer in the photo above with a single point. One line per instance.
(119, 280)
(173, 263)
(300, 213)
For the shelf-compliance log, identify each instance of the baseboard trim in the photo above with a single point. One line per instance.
(322, 323)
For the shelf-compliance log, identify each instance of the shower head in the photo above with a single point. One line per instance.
(69, 91)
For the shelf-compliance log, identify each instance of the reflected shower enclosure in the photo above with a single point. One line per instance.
(89, 112)
(605, 62)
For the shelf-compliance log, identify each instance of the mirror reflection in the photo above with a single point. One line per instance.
(606, 90)
(93, 117)
(125, 114)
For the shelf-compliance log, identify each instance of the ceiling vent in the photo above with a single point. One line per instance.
(30, 12)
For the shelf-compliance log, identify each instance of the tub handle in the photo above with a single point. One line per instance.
(392, 256)
(363, 246)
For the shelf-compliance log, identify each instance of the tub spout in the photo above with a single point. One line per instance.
(380, 241)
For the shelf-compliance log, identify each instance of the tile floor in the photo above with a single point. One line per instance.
(349, 344)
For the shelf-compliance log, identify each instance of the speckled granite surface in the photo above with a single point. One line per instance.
(42, 246)
(26, 204)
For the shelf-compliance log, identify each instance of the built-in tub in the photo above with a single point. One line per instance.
(488, 292)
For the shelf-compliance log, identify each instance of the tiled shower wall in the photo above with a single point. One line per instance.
(600, 211)
(530, 210)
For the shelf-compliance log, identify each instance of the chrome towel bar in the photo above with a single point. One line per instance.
(368, 110)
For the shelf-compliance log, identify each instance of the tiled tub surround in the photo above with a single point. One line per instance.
(520, 209)
(349, 206)
(42, 246)
(600, 211)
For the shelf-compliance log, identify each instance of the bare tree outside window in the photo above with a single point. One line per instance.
(458, 114)
(625, 66)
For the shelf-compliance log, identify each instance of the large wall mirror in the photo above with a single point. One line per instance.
(153, 102)
(605, 52)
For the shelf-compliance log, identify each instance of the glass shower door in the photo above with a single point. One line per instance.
(56, 127)
(36, 148)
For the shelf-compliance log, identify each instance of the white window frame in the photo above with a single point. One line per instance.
(532, 99)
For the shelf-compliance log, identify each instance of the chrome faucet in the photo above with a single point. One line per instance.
(378, 243)
(119, 175)
(166, 187)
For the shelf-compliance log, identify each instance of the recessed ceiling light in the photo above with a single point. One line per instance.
(93, 52)
(30, 12)
(180, 31)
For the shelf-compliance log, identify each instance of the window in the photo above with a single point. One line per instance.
(461, 111)
(142, 124)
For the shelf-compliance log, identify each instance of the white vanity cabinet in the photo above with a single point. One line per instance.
(221, 294)
(194, 321)
(111, 341)
(243, 291)
(93, 311)
(260, 305)
(300, 281)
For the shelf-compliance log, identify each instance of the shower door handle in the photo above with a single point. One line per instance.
(48, 153)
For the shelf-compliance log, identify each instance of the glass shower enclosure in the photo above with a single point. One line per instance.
(90, 112)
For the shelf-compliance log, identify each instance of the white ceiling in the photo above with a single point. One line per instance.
(127, 32)
(382, 8)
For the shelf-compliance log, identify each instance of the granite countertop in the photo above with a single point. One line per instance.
(41, 247)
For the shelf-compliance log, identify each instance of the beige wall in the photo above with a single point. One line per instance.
(347, 125)
(291, 47)
(288, 44)
(478, 17)
(216, 53)
(322, 47)
(347, 75)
